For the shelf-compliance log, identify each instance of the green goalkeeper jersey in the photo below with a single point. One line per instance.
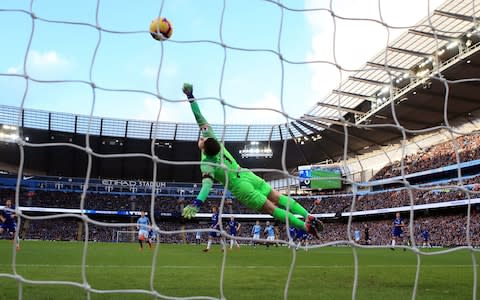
(209, 171)
(245, 186)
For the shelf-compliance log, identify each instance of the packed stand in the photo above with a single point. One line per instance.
(435, 157)
(315, 204)
(93, 201)
(445, 231)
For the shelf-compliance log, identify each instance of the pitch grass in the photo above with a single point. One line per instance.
(250, 273)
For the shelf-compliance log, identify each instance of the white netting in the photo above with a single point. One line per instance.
(385, 69)
(125, 236)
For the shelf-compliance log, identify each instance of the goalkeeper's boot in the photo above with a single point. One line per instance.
(311, 226)
(206, 250)
(316, 223)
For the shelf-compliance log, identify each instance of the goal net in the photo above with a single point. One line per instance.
(368, 86)
(122, 236)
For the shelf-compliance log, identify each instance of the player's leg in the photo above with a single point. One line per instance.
(252, 191)
(281, 215)
(233, 242)
(395, 238)
(141, 238)
(274, 196)
(209, 242)
(299, 243)
(285, 201)
(14, 237)
(272, 239)
(255, 238)
(17, 242)
(293, 206)
(223, 244)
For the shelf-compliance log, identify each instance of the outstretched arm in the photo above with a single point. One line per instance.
(207, 171)
(207, 183)
(205, 127)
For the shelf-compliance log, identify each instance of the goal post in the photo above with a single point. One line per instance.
(125, 236)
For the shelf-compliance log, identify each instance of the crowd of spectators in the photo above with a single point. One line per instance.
(93, 201)
(446, 231)
(58, 229)
(425, 194)
(436, 156)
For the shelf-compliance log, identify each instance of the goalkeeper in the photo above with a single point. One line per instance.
(251, 190)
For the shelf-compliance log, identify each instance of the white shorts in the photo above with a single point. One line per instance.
(143, 232)
(256, 236)
(270, 238)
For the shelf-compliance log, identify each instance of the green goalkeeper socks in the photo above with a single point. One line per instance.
(293, 206)
(280, 214)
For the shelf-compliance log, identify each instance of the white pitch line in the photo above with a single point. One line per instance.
(235, 267)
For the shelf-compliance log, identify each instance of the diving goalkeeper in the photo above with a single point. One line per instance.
(251, 190)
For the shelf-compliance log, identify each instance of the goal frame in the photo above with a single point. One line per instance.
(119, 232)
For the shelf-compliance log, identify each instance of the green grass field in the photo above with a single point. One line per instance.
(250, 273)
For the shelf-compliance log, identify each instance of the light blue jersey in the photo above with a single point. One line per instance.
(357, 235)
(256, 229)
(143, 223)
(270, 231)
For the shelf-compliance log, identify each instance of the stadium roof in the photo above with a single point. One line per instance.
(398, 77)
(406, 82)
(444, 28)
(65, 122)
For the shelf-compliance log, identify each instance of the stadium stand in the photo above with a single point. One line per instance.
(435, 157)
(445, 230)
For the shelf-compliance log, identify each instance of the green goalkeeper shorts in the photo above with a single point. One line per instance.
(250, 190)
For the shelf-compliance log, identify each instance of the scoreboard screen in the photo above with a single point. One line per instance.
(319, 177)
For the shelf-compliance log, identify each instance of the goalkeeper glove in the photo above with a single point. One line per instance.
(191, 210)
(188, 90)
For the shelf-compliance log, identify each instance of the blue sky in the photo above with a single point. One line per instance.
(131, 60)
